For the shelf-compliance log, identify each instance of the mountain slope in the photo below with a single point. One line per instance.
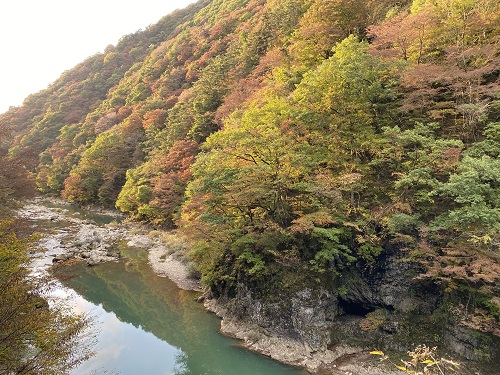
(344, 147)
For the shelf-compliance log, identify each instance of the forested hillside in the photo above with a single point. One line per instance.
(293, 142)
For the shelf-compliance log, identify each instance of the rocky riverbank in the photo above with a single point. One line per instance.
(77, 237)
(339, 360)
(73, 236)
(296, 333)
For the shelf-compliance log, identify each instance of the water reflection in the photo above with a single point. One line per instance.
(144, 323)
(149, 326)
(118, 354)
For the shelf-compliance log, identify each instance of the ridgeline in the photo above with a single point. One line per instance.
(334, 164)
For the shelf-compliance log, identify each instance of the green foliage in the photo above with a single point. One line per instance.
(135, 194)
(418, 160)
(252, 169)
(476, 189)
(488, 147)
(261, 173)
(253, 261)
(459, 19)
(404, 223)
(154, 191)
(100, 173)
(325, 23)
(333, 250)
(350, 81)
(319, 149)
(208, 92)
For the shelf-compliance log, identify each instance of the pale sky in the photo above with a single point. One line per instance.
(40, 39)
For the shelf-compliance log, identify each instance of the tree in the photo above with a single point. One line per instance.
(135, 194)
(345, 97)
(475, 189)
(290, 168)
(418, 160)
(209, 91)
(15, 181)
(254, 164)
(169, 185)
(154, 191)
(325, 23)
(35, 337)
(247, 188)
(100, 173)
(57, 161)
(462, 20)
(406, 35)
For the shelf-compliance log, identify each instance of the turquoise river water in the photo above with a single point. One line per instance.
(145, 324)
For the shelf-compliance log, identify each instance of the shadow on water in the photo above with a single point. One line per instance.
(185, 335)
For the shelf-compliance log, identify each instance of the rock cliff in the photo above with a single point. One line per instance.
(320, 321)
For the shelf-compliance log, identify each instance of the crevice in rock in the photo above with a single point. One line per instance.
(355, 308)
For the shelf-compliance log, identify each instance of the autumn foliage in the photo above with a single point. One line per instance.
(314, 134)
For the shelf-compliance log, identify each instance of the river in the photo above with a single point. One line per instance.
(144, 323)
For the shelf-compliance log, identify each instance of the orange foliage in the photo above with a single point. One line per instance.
(170, 183)
(155, 118)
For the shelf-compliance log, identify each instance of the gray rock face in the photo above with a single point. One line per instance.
(305, 316)
(392, 284)
(283, 348)
(472, 346)
(312, 316)
(373, 307)
(309, 315)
